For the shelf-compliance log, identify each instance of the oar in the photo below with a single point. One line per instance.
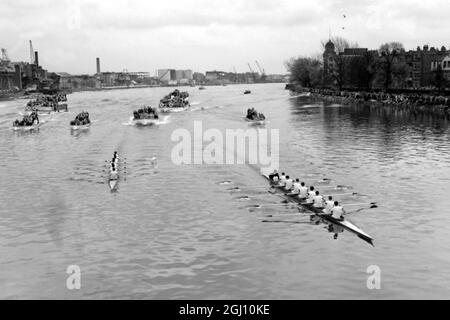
(279, 205)
(359, 204)
(372, 206)
(282, 221)
(299, 214)
(343, 194)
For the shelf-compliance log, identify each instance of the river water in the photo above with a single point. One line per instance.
(182, 232)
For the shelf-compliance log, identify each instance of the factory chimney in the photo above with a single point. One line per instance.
(36, 58)
(98, 65)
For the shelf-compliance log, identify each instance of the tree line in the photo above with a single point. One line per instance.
(385, 68)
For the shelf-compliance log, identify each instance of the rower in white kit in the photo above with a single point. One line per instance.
(329, 205)
(311, 195)
(288, 184)
(337, 213)
(282, 182)
(318, 200)
(296, 187)
(303, 194)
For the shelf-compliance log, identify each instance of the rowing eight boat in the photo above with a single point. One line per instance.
(113, 180)
(345, 224)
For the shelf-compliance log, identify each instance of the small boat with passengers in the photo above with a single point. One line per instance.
(28, 123)
(146, 116)
(176, 101)
(81, 122)
(254, 117)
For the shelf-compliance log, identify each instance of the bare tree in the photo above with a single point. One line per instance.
(391, 63)
(305, 71)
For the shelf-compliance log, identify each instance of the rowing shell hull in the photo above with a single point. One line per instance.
(173, 110)
(113, 184)
(27, 128)
(256, 122)
(347, 225)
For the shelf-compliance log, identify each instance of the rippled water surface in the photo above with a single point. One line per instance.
(183, 232)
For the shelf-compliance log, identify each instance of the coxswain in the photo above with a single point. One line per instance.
(274, 175)
(318, 200)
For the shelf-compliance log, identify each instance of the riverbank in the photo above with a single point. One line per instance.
(19, 95)
(415, 102)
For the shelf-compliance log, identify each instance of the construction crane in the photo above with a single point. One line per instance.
(5, 57)
(250, 67)
(253, 72)
(261, 70)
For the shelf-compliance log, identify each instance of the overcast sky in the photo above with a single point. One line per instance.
(144, 35)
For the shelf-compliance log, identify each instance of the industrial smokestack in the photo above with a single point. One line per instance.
(36, 58)
(98, 65)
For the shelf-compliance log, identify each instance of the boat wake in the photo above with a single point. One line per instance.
(301, 95)
(161, 121)
(243, 198)
(225, 183)
(205, 108)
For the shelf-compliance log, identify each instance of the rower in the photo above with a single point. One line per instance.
(296, 187)
(282, 180)
(114, 175)
(329, 205)
(303, 191)
(273, 175)
(337, 213)
(311, 195)
(318, 200)
(288, 184)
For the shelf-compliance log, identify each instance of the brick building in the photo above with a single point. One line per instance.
(348, 67)
(423, 62)
(352, 64)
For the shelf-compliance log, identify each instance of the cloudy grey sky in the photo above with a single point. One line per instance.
(144, 35)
